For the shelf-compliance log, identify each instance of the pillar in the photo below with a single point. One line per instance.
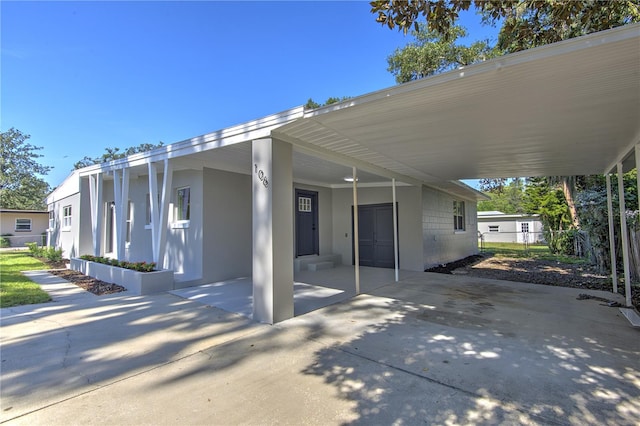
(272, 185)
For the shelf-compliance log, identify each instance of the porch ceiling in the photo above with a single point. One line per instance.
(571, 108)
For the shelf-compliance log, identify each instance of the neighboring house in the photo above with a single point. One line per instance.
(19, 227)
(498, 227)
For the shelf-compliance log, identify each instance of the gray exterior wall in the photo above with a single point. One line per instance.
(442, 244)
(409, 218)
(227, 226)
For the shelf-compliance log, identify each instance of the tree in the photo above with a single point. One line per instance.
(525, 23)
(434, 53)
(20, 187)
(311, 104)
(506, 198)
(115, 154)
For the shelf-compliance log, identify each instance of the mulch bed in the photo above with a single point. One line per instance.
(535, 271)
(93, 285)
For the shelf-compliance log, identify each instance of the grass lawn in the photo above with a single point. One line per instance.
(534, 251)
(15, 288)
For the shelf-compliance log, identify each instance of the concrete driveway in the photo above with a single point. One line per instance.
(432, 349)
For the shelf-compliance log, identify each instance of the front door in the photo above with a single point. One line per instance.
(306, 223)
(375, 235)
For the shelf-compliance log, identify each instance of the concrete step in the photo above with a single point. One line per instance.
(302, 263)
(320, 265)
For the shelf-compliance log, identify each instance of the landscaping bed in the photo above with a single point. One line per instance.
(536, 271)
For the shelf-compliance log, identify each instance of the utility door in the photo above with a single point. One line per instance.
(307, 241)
(375, 235)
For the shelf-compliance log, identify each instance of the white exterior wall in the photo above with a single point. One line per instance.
(325, 216)
(67, 238)
(409, 219)
(139, 248)
(227, 226)
(509, 229)
(184, 244)
(441, 243)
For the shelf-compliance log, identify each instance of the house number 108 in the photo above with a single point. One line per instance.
(262, 176)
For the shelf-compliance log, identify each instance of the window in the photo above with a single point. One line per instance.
(524, 227)
(66, 217)
(23, 225)
(127, 237)
(304, 204)
(458, 215)
(52, 219)
(183, 204)
(494, 228)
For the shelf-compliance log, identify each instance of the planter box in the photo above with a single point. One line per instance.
(134, 281)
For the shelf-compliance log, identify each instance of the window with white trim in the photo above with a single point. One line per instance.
(52, 219)
(494, 228)
(183, 204)
(304, 204)
(66, 217)
(23, 225)
(458, 215)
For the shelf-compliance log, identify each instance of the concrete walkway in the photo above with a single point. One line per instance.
(432, 349)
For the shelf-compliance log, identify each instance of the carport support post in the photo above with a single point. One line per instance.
(272, 183)
(395, 229)
(356, 235)
(612, 241)
(625, 236)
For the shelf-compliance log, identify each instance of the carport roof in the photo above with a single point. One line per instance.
(569, 108)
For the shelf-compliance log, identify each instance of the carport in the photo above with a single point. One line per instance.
(570, 108)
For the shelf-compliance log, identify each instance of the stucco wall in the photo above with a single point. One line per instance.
(441, 243)
(39, 225)
(227, 226)
(409, 221)
(67, 238)
(325, 220)
(184, 244)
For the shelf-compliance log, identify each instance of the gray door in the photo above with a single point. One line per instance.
(375, 235)
(306, 223)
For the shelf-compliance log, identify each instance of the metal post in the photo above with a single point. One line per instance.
(625, 237)
(356, 243)
(612, 241)
(395, 230)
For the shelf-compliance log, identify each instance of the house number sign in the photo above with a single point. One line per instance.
(261, 176)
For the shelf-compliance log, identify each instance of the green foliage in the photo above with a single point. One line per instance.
(51, 254)
(507, 198)
(15, 288)
(311, 104)
(4, 241)
(524, 23)
(20, 188)
(433, 53)
(112, 154)
(136, 266)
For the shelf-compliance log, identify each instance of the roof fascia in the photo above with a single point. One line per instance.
(250, 130)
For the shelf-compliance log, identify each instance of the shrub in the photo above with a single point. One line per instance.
(53, 254)
(5, 241)
(136, 266)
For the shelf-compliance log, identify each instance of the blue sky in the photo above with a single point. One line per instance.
(82, 76)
